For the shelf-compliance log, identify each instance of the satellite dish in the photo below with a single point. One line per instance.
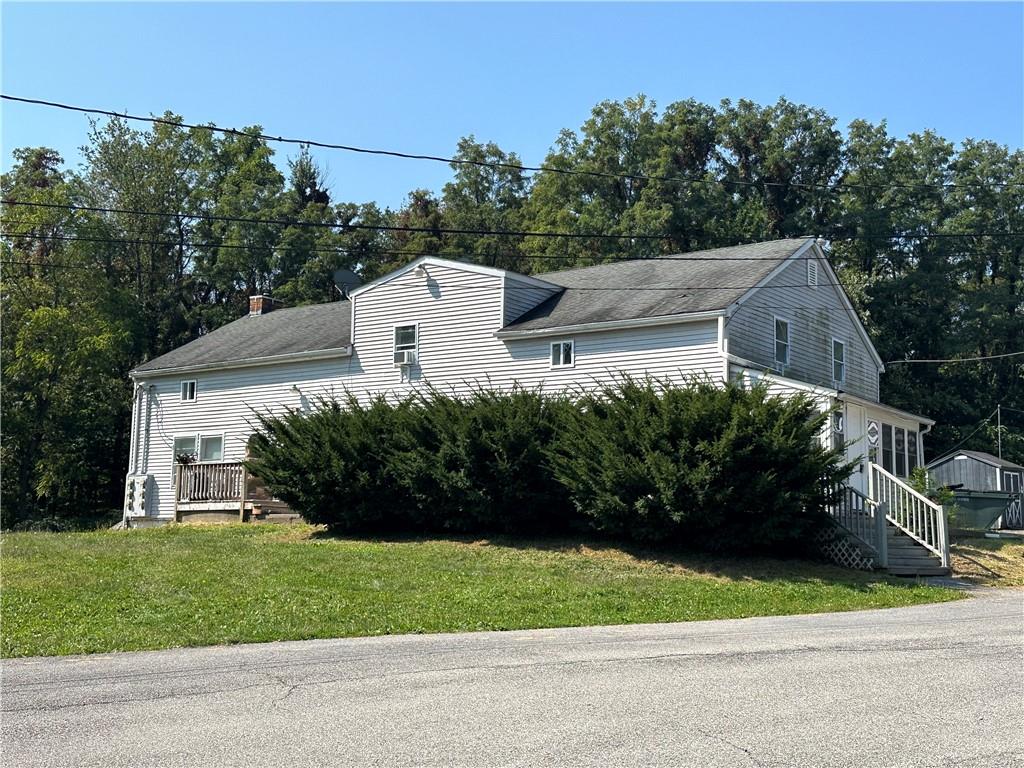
(346, 280)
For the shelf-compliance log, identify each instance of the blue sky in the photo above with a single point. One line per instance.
(417, 77)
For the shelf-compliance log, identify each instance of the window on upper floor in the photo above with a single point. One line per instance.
(838, 361)
(781, 341)
(188, 391)
(406, 344)
(563, 354)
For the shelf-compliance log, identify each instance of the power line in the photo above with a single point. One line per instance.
(494, 164)
(955, 447)
(959, 359)
(446, 231)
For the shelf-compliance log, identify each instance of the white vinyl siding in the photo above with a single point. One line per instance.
(457, 316)
(521, 297)
(815, 316)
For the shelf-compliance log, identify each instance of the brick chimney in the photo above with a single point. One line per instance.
(260, 305)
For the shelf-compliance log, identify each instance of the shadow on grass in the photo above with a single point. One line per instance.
(736, 568)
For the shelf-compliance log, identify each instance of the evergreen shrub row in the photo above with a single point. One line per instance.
(703, 466)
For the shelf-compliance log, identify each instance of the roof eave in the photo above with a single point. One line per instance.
(608, 325)
(251, 362)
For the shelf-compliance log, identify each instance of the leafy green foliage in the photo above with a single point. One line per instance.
(718, 469)
(478, 464)
(709, 467)
(334, 464)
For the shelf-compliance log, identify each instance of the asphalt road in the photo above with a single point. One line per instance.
(939, 685)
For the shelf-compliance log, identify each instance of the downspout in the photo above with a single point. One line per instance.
(723, 348)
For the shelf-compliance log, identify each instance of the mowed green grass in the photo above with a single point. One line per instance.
(201, 585)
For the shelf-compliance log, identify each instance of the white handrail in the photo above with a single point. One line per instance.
(915, 515)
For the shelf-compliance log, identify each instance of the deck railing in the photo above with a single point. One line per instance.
(210, 481)
(917, 516)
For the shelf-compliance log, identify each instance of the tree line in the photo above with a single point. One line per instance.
(89, 294)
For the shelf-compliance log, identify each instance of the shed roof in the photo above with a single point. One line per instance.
(986, 458)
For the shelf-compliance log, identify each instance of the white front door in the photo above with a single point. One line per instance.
(855, 428)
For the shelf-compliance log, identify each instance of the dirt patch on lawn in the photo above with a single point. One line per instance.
(992, 562)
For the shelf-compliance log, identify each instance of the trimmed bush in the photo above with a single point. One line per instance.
(710, 467)
(703, 466)
(333, 465)
(479, 463)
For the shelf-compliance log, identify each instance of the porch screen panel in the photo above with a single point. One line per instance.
(901, 452)
(887, 447)
(913, 462)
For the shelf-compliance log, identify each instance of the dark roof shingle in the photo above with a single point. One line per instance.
(280, 332)
(713, 280)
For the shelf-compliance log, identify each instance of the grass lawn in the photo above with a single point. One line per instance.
(197, 585)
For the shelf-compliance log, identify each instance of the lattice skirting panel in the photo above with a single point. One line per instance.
(838, 548)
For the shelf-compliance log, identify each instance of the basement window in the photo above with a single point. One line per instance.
(563, 354)
(188, 391)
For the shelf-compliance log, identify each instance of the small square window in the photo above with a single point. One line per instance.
(563, 354)
(838, 361)
(188, 391)
(781, 341)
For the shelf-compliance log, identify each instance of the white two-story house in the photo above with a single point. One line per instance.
(772, 309)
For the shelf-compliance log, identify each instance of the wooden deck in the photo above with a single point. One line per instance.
(224, 492)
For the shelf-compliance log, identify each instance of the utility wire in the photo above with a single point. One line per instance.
(959, 359)
(957, 446)
(492, 164)
(447, 231)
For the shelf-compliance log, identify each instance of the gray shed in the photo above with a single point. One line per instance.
(977, 471)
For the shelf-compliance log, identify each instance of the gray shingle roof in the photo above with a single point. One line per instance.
(691, 286)
(986, 457)
(718, 267)
(280, 332)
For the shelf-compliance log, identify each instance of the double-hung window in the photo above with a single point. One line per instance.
(563, 354)
(781, 342)
(188, 391)
(838, 361)
(406, 344)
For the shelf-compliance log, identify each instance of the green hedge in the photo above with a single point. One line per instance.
(701, 465)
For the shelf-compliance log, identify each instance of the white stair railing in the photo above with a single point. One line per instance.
(915, 515)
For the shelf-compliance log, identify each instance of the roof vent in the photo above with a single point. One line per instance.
(260, 305)
(812, 272)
